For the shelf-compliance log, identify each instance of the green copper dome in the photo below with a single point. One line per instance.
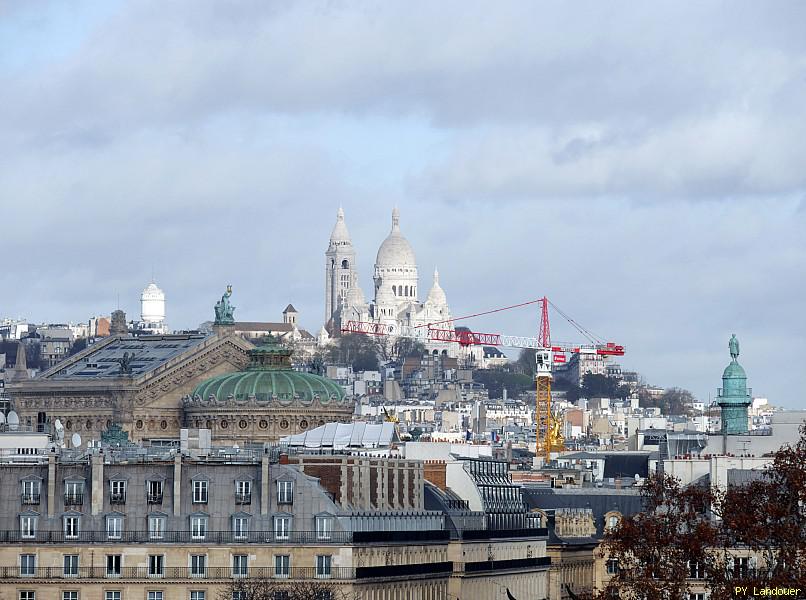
(734, 371)
(270, 378)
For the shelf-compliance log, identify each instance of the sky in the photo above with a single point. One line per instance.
(641, 164)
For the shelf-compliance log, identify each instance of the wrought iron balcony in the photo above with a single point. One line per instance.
(243, 498)
(117, 498)
(154, 498)
(29, 498)
(73, 499)
(144, 572)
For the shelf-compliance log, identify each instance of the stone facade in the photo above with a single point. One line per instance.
(137, 531)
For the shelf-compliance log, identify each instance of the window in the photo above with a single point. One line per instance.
(695, 570)
(323, 595)
(240, 564)
(281, 595)
(156, 565)
(112, 595)
(243, 492)
(199, 492)
(27, 564)
(31, 491)
(117, 492)
(198, 527)
(282, 528)
(113, 565)
(154, 492)
(323, 565)
(198, 565)
(156, 527)
(114, 527)
(155, 595)
(696, 596)
(285, 492)
(282, 565)
(71, 527)
(197, 595)
(71, 595)
(71, 565)
(740, 566)
(28, 526)
(73, 492)
(612, 566)
(240, 527)
(27, 595)
(324, 528)
(238, 595)
(612, 522)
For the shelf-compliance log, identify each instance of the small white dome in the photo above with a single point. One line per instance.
(437, 294)
(355, 296)
(340, 235)
(152, 292)
(395, 251)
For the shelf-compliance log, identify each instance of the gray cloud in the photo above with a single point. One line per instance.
(534, 149)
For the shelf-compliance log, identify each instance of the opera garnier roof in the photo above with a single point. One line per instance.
(266, 401)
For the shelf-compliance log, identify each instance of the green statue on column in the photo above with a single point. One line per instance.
(734, 397)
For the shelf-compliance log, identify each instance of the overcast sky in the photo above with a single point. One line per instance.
(642, 164)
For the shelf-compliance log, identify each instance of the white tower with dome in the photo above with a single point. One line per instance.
(152, 309)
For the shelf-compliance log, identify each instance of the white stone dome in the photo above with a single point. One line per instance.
(395, 251)
(437, 295)
(340, 235)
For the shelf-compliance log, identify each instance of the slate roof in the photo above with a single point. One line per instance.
(601, 501)
(262, 326)
(146, 354)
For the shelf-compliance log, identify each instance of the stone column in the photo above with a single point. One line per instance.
(51, 485)
(97, 484)
(177, 485)
(264, 486)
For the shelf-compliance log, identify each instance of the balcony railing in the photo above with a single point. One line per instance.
(243, 498)
(29, 498)
(265, 537)
(154, 498)
(117, 498)
(73, 499)
(143, 572)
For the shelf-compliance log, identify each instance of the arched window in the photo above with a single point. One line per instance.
(406, 291)
(345, 264)
(394, 290)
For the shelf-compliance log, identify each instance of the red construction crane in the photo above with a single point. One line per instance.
(547, 353)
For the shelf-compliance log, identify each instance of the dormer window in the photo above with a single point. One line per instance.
(154, 489)
(324, 527)
(28, 524)
(31, 491)
(243, 492)
(117, 492)
(200, 487)
(114, 527)
(73, 493)
(285, 492)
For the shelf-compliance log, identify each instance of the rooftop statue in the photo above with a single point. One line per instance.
(224, 310)
(126, 363)
(733, 346)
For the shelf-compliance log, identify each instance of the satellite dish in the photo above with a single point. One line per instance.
(13, 420)
(76, 440)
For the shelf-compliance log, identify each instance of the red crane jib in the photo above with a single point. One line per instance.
(464, 338)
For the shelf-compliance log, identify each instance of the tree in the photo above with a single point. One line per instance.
(356, 350)
(525, 365)
(495, 380)
(267, 588)
(681, 529)
(78, 345)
